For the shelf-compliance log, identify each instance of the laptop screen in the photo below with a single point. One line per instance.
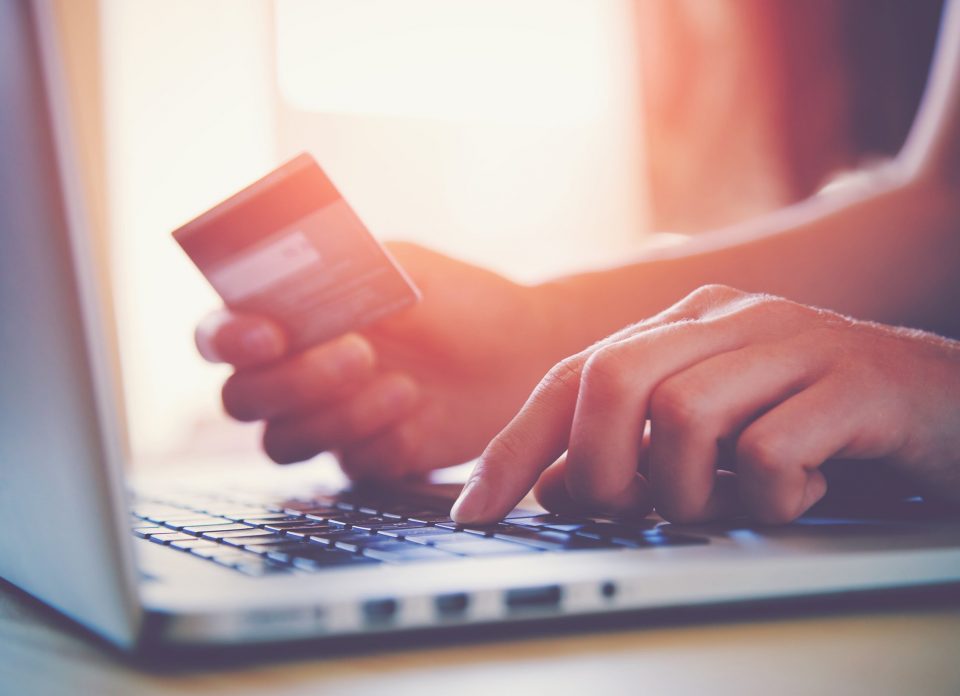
(59, 479)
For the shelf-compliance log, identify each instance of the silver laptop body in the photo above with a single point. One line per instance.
(65, 508)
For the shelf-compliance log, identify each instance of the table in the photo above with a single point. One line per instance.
(905, 648)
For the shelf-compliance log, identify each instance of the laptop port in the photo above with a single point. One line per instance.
(536, 597)
(379, 610)
(451, 604)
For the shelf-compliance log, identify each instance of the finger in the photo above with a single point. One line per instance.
(387, 455)
(694, 410)
(616, 388)
(316, 376)
(551, 491)
(779, 455)
(378, 405)
(243, 340)
(514, 459)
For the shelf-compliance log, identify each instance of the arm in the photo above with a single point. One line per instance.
(886, 251)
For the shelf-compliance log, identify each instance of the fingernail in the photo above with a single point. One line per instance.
(471, 503)
(261, 343)
(350, 355)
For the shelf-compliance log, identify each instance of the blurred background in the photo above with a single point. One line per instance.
(534, 137)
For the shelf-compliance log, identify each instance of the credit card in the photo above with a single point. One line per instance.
(290, 248)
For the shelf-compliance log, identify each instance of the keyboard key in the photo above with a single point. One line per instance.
(144, 531)
(428, 535)
(258, 567)
(290, 524)
(345, 560)
(310, 555)
(608, 530)
(306, 530)
(519, 513)
(538, 521)
(412, 532)
(240, 514)
(405, 553)
(329, 538)
(382, 524)
(317, 511)
(167, 537)
(236, 533)
(354, 542)
(224, 527)
(351, 518)
(549, 541)
(485, 547)
(662, 539)
(195, 522)
(262, 549)
(191, 544)
(428, 517)
(246, 540)
(268, 518)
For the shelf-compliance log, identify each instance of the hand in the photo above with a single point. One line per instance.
(746, 397)
(423, 389)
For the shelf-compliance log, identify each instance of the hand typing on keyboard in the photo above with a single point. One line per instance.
(328, 532)
(746, 397)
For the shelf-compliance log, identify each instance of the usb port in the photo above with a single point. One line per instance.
(523, 597)
(451, 604)
(379, 610)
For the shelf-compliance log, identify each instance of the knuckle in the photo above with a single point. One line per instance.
(784, 306)
(761, 454)
(676, 402)
(773, 306)
(564, 375)
(606, 372)
(713, 293)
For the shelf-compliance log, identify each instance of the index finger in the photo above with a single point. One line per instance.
(514, 459)
(242, 340)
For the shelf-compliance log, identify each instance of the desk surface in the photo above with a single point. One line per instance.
(910, 649)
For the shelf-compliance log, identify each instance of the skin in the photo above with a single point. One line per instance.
(424, 389)
(430, 387)
(728, 382)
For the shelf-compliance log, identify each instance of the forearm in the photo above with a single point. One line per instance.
(890, 254)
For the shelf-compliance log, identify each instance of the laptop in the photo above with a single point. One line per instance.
(189, 561)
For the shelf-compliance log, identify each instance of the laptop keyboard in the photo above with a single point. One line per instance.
(347, 530)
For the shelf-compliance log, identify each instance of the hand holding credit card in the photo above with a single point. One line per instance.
(290, 248)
